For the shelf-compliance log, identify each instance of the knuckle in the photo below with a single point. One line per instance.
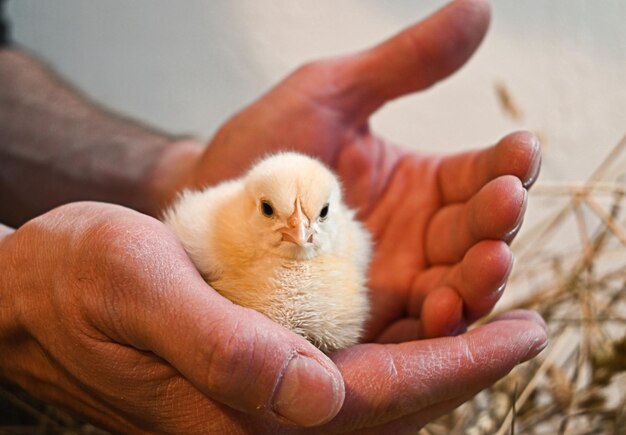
(323, 79)
(316, 68)
(242, 366)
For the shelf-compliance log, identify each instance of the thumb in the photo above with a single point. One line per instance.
(232, 354)
(414, 59)
(426, 378)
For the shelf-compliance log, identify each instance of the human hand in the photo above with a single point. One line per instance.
(105, 315)
(111, 320)
(441, 224)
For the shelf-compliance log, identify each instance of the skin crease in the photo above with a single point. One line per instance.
(118, 326)
(377, 175)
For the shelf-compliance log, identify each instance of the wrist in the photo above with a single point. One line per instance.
(173, 170)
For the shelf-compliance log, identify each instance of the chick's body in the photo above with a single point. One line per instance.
(281, 241)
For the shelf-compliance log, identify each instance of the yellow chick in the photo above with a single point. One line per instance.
(281, 241)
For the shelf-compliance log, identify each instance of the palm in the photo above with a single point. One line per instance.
(418, 229)
(441, 223)
(436, 220)
(401, 202)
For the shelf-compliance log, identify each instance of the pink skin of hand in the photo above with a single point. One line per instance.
(125, 332)
(441, 224)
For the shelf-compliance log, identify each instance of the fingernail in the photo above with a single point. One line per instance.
(510, 235)
(537, 346)
(308, 394)
(497, 293)
(533, 171)
(532, 316)
(535, 339)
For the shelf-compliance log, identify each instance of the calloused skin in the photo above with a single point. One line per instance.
(117, 325)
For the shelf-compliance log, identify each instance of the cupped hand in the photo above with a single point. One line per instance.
(106, 316)
(441, 224)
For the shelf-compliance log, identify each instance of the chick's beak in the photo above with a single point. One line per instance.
(298, 229)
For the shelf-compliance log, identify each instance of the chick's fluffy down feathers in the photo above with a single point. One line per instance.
(233, 232)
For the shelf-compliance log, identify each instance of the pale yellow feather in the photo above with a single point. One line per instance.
(319, 290)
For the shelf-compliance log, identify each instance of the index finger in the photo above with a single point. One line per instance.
(461, 176)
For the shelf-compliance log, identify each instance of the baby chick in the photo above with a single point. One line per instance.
(281, 241)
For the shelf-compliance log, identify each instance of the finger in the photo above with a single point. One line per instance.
(481, 277)
(407, 329)
(244, 360)
(495, 212)
(414, 59)
(461, 176)
(435, 313)
(403, 379)
(442, 312)
(412, 423)
(471, 288)
(424, 283)
(232, 354)
(520, 314)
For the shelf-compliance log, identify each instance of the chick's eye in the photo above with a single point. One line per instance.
(267, 209)
(324, 212)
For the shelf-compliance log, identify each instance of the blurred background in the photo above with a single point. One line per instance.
(557, 68)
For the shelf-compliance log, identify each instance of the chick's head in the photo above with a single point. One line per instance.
(294, 202)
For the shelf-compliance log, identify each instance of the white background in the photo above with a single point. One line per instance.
(186, 66)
